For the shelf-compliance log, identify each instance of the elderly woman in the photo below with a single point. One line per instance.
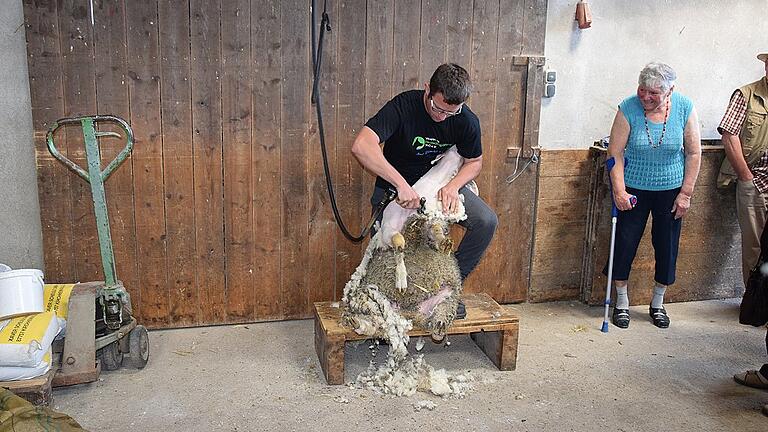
(657, 131)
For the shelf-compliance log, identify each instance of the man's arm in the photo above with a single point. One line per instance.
(449, 194)
(735, 155)
(692, 147)
(730, 127)
(367, 151)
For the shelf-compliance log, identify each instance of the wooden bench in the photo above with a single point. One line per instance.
(35, 390)
(494, 329)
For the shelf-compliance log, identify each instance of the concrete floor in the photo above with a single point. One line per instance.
(569, 377)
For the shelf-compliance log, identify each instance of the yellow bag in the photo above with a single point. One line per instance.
(56, 299)
(25, 340)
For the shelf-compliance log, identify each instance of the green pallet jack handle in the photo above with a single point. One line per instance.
(96, 177)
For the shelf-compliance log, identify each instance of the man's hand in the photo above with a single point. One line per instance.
(681, 205)
(407, 197)
(449, 196)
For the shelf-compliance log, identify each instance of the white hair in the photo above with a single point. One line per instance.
(657, 74)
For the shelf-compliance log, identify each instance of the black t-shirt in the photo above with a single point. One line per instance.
(413, 140)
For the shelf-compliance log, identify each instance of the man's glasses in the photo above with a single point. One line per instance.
(442, 111)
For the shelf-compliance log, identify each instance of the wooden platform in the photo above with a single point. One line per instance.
(493, 328)
(35, 390)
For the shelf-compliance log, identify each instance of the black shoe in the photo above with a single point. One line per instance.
(461, 310)
(659, 317)
(620, 318)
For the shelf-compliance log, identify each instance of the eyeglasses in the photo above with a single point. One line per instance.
(442, 111)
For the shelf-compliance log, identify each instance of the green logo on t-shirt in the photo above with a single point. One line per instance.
(418, 143)
(421, 143)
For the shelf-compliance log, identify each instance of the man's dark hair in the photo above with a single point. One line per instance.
(452, 81)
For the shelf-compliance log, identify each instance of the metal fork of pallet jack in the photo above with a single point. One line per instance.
(113, 300)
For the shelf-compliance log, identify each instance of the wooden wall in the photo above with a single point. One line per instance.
(573, 226)
(221, 214)
(561, 223)
(709, 261)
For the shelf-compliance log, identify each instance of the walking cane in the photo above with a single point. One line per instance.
(609, 163)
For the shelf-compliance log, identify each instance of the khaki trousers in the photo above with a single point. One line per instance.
(751, 212)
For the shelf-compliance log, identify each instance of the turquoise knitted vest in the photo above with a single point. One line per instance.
(659, 168)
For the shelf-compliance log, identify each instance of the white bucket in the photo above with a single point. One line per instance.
(21, 293)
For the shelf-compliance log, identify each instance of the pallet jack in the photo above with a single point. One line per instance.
(100, 326)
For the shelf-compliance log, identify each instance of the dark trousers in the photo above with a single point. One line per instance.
(480, 223)
(764, 369)
(665, 234)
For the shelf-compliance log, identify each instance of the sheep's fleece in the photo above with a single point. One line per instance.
(409, 275)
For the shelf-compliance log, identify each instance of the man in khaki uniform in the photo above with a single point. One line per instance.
(745, 137)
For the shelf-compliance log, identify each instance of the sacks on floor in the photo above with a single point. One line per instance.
(56, 300)
(25, 340)
(14, 373)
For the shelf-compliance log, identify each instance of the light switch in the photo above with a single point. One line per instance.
(550, 76)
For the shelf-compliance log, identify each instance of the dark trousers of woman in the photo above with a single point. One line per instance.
(480, 223)
(665, 234)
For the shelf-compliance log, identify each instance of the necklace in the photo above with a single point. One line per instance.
(663, 128)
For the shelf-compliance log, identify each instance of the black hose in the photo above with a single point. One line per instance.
(317, 58)
(314, 50)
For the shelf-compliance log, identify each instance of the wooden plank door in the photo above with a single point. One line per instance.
(222, 214)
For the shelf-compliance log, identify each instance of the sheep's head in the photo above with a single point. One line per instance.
(422, 230)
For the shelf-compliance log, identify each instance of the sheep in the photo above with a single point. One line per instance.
(409, 274)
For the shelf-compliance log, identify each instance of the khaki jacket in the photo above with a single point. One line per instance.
(754, 132)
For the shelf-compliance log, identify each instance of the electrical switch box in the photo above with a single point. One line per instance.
(550, 76)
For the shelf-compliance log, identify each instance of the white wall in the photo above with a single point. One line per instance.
(711, 44)
(20, 233)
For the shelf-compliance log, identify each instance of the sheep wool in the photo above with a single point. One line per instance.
(409, 278)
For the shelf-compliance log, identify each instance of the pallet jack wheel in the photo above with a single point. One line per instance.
(110, 356)
(138, 340)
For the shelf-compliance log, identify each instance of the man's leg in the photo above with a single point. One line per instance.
(751, 212)
(481, 224)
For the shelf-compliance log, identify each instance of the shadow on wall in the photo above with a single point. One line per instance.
(576, 37)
